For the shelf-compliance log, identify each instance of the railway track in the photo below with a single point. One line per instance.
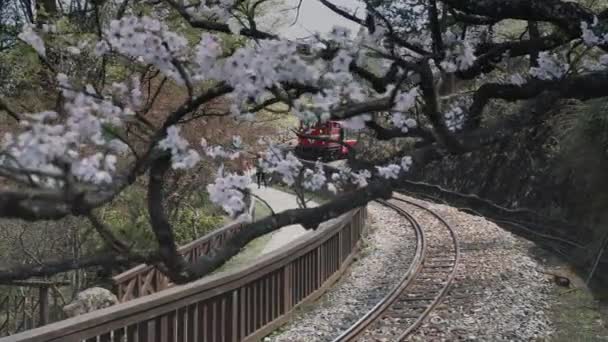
(423, 286)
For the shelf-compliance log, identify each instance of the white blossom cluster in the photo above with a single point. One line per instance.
(390, 171)
(48, 140)
(589, 36)
(314, 180)
(288, 166)
(356, 123)
(213, 10)
(221, 152)
(340, 36)
(406, 163)
(260, 65)
(403, 122)
(39, 145)
(368, 39)
(128, 94)
(182, 156)
(95, 169)
(459, 53)
(229, 191)
(406, 15)
(206, 54)
(29, 36)
(339, 85)
(148, 40)
(454, 118)
(549, 67)
(404, 101)
(360, 177)
(517, 79)
(348, 176)
(341, 62)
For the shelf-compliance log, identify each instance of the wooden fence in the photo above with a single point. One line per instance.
(145, 279)
(28, 305)
(240, 305)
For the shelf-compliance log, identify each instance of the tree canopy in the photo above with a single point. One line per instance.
(424, 71)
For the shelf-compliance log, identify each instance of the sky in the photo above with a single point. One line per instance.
(316, 17)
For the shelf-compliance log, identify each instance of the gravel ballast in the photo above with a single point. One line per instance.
(386, 255)
(499, 294)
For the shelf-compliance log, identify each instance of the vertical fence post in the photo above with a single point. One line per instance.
(287, 271)
(43, 293)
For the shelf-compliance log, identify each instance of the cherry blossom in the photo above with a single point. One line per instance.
(95, 169)
(405, 101)
(406, 163)
(356, 123)
(390, 171)
(147, 39)
(182, 157)
(288, 166)
(257, 70)
(30, 36)
(454, 118)
(459, 55)
(228, 191)
(549, 67)
(517, 79)
(314, 180)
(589, 35)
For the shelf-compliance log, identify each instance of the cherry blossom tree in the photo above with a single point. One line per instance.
(394, 78)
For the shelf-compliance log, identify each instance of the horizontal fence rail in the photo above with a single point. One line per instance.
(29, 304)
(240, 305)
(23, 308)
(145, 279)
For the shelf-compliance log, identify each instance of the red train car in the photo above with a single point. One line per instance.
(323, 140)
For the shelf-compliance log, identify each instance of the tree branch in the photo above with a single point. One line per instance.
(216, 26)
(566, 15)
(106, 234)
(50, 268)
(310, 218)
(384, 134)
(582, 87)
(491, 54)
(432, 112)
(160, 223)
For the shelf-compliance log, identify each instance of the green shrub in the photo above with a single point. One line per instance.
(128, 217)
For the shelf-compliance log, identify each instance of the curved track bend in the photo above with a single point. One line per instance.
(423, 286)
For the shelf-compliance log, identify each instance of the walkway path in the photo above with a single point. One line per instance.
(280, 201)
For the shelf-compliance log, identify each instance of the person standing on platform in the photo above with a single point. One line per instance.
(259, 172)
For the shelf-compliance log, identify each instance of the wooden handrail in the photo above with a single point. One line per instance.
(29, 309)
(143, 279)
(240, 305)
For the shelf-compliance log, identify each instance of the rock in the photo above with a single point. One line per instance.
(90, 300)
(561, 281)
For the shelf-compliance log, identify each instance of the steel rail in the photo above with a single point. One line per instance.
(399, 294)
(374, 314)
(451, 277)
